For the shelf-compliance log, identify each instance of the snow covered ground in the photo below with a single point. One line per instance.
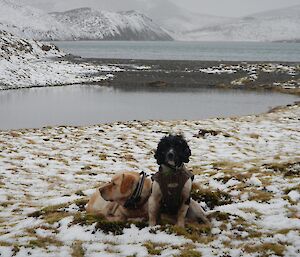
(28, 63)
(247, 169)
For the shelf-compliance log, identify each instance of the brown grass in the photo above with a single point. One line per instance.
(265, 248)
(77, 249)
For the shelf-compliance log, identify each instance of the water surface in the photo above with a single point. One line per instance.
(87, 105)
(175, 50)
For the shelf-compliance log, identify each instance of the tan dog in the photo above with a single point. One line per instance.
(111, 199)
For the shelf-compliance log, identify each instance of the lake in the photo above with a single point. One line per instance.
(175, 50)
(87, 105)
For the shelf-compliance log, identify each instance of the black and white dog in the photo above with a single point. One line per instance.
(172, 184)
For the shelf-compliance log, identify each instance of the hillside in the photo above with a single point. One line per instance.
(104, 25)
(29, 22)
(78, 24)
(28, 63)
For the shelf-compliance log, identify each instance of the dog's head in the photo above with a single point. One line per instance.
(172, 150)
(120, 188)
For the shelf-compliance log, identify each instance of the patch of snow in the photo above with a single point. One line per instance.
(254, 181)
(294, 196)
(27, 63)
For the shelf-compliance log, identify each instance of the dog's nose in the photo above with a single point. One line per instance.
(170, 156)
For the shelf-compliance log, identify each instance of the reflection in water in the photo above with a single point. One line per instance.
(86, 105)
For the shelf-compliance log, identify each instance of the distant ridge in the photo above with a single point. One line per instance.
(276, 25)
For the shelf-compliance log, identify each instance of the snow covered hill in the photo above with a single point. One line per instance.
(83, 23)
(30, 22)
(277, 25)
(94, 24)
(27, 63)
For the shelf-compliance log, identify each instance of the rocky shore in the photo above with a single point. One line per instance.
(283, 77)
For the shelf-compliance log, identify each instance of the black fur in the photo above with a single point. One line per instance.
(180, 146)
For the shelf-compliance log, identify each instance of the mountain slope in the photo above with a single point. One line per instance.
(94, 24)
(30, 22)
(27, 63)
(83, 23)
(277, 25)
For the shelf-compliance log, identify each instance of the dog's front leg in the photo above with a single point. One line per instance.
(154, 203)
(186, 191)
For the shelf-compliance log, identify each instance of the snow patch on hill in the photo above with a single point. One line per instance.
(29, 22)
(27, 63)
(94, 24)
(82, 23)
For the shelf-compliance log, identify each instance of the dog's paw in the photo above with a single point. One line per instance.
(152, 223)
(180, 224)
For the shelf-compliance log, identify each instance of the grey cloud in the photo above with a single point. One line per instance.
(229, 8)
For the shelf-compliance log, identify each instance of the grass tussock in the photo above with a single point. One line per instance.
(51, 214)
(192, 231)
(288, 169)
(44, 242)
(260, 196)
(211, 198)
(266, 249)
(226, 165)
(154, 248)
(188, 250)
(77, 249)
(219, 216)
(114, 227)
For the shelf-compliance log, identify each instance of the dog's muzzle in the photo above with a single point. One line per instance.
(170, 155)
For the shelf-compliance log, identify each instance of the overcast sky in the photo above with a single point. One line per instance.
(230, 8)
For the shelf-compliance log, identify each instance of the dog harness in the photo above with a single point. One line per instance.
(132, 202)
(171, 185)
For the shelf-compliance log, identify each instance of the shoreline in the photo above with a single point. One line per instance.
(134, 75)
(206, 74)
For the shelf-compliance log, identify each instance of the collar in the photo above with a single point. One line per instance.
(133, 200)
(174, 168)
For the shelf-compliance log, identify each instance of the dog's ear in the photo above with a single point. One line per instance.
(159, 151)
(186, 154)
(127, 183)
(186, 151)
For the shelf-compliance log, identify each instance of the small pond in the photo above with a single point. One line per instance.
(87, 105)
